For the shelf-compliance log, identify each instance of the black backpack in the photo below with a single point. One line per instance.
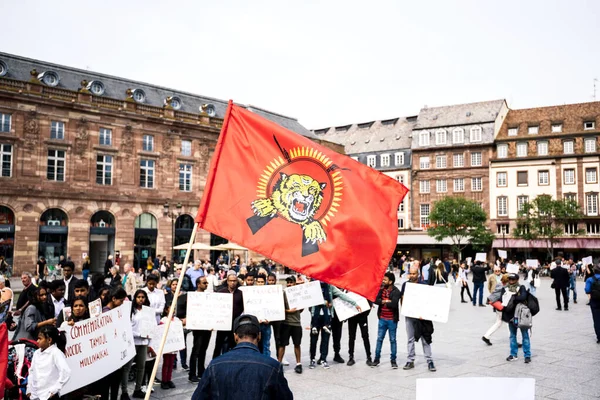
(533, 304)
(595, 289)
(187, 285)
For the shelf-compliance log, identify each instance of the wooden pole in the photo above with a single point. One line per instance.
(171, 311)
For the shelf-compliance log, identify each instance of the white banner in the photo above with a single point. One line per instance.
(305, 295)
(587, 261)
(345, 310)
(98, 346)
(264, 302)
(209, 311)
(532, 263)
(426, 302)
(175, 340)
(502, 254)
(451, 388)
(481, 257)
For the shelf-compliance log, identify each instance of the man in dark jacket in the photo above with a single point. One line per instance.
(560, 284)
(388, 314)
(225, 339)
(479, 279)
(244, 373)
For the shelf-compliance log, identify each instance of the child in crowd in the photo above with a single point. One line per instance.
(49, 371)
(322, 310)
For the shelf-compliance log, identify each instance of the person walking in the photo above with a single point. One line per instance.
(592, 289)
(463, 282)
(478, 271)
(560, 284)
(572, 283)
(495, 290)
(388, 313)
(512, 295)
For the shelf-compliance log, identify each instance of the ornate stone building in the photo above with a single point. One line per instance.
(93, 164)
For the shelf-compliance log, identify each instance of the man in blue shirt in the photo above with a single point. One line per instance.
(592, 288)
(195, 272)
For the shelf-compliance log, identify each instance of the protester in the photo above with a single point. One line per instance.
(560, 284)
(439, 275)
(478, 272)
(156, 296)
(195, 272)
(28, 287)
(463, 282)
(49, 371)
(265, 327)
(496, 291)
(388, 314)
(108, 265)
(213, 280)
(140, 299)
(85, 267)
(69, 280)
(290, 328)
(201, 337)
(515, 294)
(169, 360)
(359, 320)
(112, 381)
(592, 289)
(225, 339)
(129, 282)
(572, 283)
(36, 315)
(56, 300)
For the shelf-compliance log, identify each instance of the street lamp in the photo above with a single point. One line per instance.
(173, 217)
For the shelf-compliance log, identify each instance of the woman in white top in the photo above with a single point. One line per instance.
(49, 371)
(462, 281)
(156, 296)
(140, 299)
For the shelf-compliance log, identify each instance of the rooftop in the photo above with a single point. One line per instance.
(459, 114)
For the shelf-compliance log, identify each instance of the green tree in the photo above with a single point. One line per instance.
(545, 218)
(461, 220)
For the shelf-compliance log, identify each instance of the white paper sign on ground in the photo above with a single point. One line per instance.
(264, 302)
(502, 254)
(147, 322)
(426, 302)
(304, 295)
(504, 388)
(532, 263)
(345, 310)
(512, 268)
(175, 341)
(209, 311)
(481, 257)
(587, 261)
(98, 346)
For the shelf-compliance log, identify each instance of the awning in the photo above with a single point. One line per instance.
(570, 243)
(230, 246)
(195, 246)
(422, 239)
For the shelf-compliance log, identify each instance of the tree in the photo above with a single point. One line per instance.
(545, 218)
(462, 221)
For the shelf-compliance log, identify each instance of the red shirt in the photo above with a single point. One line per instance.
(386, 313)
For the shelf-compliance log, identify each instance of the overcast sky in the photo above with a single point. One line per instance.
(324, 62)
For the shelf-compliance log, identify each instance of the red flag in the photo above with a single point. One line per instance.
(307, 207)
(3, 357)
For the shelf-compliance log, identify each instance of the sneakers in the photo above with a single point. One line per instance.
(171, 385)
(511, 358)
(558, 309)
(408, 365)
(351, 362)
(566, 308)
(527, 360)
(312, 364)
(285, 363)
(138, 394)
(194, 379)
(338, 359)
(319, 361)
(486, 340)
(431, 366)
(370, 362)
(324, 364)
(298, 368)
(165, 386)
(394, 365)
(375, 363)
(314, 331)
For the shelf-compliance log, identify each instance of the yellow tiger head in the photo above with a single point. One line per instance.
(297, 198)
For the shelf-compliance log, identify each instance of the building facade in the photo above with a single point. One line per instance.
(94, 164)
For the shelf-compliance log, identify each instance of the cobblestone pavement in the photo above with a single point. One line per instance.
(564, 364)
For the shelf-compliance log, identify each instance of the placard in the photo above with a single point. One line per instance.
(426, 302)
(532, 263)
(587, 261)
(504, 388)
(95, 308)
(503, 254)
(175, 340)
(98, 346)
(512, 268)
(209, 311)
(147, 321)
(481, 257)
(305, 295)
(345, 310)
(468, 260)
(66, 313)
(264, 302)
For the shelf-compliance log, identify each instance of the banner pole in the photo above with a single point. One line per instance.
(171, 311)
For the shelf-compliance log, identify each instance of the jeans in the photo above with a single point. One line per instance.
(324, 344)
(558, 291)
(596, 317)
(573, 287)
(514, 348)
(360, 320)
(198, 356)
(86, 273)
(384, 326)
(410, 334)
(265, 338)
(478, 287)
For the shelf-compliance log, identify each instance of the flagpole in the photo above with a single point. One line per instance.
(171, 311)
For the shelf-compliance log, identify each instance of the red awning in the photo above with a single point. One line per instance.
(571, 243)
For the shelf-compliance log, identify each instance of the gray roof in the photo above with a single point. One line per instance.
(116, 87)
(389, 134)
(460, 114)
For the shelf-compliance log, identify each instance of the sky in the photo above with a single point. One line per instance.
(326, 63)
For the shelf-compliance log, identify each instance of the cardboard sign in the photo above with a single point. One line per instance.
(175, 340)
(532, 263)
(503, 254)
(587, 261)
(426, 302)
(504, 388)
(512, 268)
(345, 310)
(264, 302)
(481, 257)
(98, 346)
(305, 295)
(147, 322)
(209, 311)
(95, 308)
(66, 313)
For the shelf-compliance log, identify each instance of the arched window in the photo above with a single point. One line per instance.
(184, 222)
(145, 221)
(103, 219)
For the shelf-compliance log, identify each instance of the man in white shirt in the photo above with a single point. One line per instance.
(129, 280)
(69, 281)
(156, 296)
(57, 296)
(213, 280)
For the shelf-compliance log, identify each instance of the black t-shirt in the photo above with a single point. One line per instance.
(24, 296)
(41, 265)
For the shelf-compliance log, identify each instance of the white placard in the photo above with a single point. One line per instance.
(66, 313)
(426, 302)
(532, 263)
(305, 295)
(175, 340)
(209, 311)
(98, 346)
(345, 310)
(512, 268)
(95, 308)
(147, 322)
(481, 257)
(503, 254)
(504, 388)
(468, 260)
(587, 261)
(264, 302)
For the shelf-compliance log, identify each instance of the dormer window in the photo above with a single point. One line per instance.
(589, 125)
(556, 128)
(49, 78)
(174, 102)
(513, 131)
(533, 129)
(96, 88)
(3, 68)
(138, 95)
(208, 109)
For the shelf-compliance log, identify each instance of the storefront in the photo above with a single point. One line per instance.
(7, 234)
(146, 232)
(53, 235)
(102, 239)
(183, 232)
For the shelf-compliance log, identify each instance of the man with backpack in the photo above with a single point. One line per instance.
(592, 288)
(517, 315)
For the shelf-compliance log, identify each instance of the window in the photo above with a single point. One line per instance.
(458, 136)
(147, 173)
(6, 160)
(139, 95)
(56, 165)
(476, 159)
(502, 228)
(459, 160)
(569, 176)
(424, 187)
(542, 148)
(556, 128)
(400, 178)
(502, 206)
(104, 170)
(385, 160)
(440, 137)
(590, 145)
(5, 121)
(186, 148)
(105, 137)
(441, 161)
(400, 223)
(424, 162)
(148, 143)
(513, 131)
(399, 158)
(591, 175)
(424, 139)
(424, 216)
(571, 229)
(476, 184)
(459, 185)
(593, 229)
(371, 161)
(441, 186)
(57, 130)
(543, 178)
(592, 204)
(533, 130)
(185, 177)
(522, 178)
(501, 179)
(521, 200)
(476, 134)
(502, 150)
(401, 206)
(568, 147)
(522, 149)
(589, 125)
